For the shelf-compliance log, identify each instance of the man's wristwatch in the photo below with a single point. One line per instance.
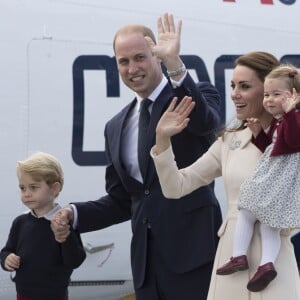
(177, 72)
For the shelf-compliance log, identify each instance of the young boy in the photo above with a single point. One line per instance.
(43, 266)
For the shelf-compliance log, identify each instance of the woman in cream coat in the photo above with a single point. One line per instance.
(233, 157)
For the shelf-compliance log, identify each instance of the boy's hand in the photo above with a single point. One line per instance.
(60, 223)
(12, 262)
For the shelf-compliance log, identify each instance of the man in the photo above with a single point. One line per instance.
(174, 242)
(296, 243)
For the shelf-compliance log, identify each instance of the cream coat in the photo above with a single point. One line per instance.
(233, 157)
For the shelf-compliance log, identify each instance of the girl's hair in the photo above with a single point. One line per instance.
(289, 74)
(262, 63)
(42, 166)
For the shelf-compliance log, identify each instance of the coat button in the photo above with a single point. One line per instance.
(147, 192)
(145, 220)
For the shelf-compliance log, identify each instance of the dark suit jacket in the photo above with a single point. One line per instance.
(185, 228)
(296, 243)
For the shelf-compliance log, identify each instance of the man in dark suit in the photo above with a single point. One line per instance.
(296, 243)
(174, 242)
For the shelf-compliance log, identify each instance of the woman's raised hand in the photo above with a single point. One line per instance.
(173, 121)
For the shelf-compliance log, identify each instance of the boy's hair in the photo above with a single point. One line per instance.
(289, 74)
(42, 166)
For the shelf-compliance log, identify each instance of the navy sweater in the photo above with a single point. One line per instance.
(46, 265)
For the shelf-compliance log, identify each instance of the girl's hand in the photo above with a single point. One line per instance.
(12, 262)
(254, 125)
(290, 103)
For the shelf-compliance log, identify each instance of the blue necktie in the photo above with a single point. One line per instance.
(144, 120)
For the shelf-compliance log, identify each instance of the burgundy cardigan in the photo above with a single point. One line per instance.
(288, 135)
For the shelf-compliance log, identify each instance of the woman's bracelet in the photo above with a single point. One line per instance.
(177, 72)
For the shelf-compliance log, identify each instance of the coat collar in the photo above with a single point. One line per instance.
(241, 139)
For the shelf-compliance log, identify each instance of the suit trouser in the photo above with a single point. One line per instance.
(162, 284)
(296, 242)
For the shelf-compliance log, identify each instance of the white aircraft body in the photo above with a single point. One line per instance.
(60, 85)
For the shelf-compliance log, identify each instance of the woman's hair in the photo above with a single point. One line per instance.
(289, 74)
(262, 63)
(42, 166)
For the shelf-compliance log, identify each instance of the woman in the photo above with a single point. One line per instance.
(234, 157)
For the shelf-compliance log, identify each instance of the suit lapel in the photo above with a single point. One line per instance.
(115, 145)
(118, 128)
(116, 137)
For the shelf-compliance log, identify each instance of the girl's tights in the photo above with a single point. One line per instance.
(270, 237)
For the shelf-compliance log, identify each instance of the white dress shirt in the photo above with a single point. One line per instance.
(129, 140)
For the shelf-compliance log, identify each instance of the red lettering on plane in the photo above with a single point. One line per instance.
(262, 1)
